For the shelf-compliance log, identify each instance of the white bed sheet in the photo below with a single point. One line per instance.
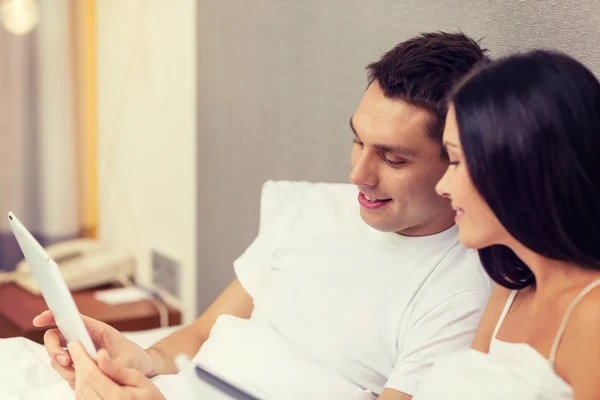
(26, 374)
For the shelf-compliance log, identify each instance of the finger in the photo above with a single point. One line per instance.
(81, 360)
(67, 373)
(89, 380)
(55, 343)
(98, 330)
(95, 328)
(44, 319)
(117, 372)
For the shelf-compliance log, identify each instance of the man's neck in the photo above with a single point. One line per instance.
(428, 229)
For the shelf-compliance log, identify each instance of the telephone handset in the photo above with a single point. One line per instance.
(84, 263)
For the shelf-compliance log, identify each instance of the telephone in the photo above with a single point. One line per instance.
(84, 263)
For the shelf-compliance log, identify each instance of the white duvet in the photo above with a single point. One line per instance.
(253, 357)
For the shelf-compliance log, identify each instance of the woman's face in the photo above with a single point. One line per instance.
(478, 225)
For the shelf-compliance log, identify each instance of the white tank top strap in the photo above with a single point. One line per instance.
(507, 305)
(563, 323)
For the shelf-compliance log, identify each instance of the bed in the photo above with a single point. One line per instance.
(26, 374)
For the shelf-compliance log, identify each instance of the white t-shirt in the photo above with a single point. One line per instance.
(375, 308)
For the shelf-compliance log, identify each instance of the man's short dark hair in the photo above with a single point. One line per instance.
(423, 70)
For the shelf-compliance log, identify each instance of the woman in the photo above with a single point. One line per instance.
(523, 139)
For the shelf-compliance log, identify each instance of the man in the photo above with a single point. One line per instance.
(374, 300)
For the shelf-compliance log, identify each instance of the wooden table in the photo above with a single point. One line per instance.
(18, 307)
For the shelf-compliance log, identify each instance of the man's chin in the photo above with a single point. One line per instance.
(379, 223)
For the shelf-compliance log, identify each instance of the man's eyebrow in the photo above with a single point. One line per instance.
(397, 150)
(392, 149)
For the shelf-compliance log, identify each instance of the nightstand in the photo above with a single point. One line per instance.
(18, 307)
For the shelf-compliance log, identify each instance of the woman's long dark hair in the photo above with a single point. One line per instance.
(529, 126)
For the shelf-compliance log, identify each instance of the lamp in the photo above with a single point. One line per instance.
(19, 17)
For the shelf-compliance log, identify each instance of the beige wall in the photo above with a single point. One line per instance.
(147, 136)
(278, 80)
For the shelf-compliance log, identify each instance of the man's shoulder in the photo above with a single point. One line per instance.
(460, 271)
(459, 277)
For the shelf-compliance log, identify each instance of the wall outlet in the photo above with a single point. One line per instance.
(165, 273)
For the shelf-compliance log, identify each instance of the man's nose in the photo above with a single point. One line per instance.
(364, 172)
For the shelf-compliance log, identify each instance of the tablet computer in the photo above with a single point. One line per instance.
(53, 287)
(200, 378)
(227, 388)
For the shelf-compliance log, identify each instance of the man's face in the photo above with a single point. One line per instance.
(396, 166)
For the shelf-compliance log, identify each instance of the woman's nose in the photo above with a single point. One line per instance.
(441, 188)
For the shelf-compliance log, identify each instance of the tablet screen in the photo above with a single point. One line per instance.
(223, 386)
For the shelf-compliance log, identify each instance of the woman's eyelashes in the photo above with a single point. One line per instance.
(453, 159)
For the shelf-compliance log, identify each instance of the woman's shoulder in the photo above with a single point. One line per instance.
(490, 317)
(584, 320)
(578, 356)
